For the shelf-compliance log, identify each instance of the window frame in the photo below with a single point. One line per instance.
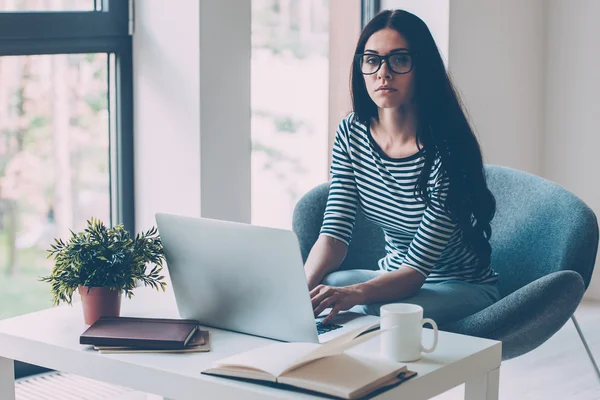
(112, 20)
(368, 9)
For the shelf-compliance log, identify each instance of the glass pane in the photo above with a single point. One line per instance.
(54, 165)
(290, 40)
(46, 5)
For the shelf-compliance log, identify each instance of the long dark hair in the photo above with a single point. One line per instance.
(442, 129)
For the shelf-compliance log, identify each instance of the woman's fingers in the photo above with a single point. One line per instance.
(317, 296)
(325, 303)
(334, 311)
(317, 290)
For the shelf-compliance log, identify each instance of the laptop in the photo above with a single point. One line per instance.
(244, 278)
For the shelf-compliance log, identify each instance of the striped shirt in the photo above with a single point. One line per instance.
(418, 236)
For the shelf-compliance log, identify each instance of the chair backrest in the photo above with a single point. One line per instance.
(539, 228)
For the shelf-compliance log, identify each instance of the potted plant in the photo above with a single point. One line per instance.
(102, 263)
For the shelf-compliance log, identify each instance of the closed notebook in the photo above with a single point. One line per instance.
(199, 343)
(325, 369)
(152, 333)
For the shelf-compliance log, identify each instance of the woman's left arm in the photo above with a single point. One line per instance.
(392, 286)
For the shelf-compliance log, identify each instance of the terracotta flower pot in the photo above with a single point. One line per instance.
(99, 302)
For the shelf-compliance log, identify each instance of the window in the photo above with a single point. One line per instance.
(290, 87)
(65, 133)
(55, 163)
(301, 55)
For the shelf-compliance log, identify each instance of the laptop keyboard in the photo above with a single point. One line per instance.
(324, 328)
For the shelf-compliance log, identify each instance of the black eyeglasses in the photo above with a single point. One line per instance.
(399, 63)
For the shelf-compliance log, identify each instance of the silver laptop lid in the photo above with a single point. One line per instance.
(239, 277)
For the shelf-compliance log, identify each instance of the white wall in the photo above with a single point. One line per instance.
(527, 71)
(166, 55)
(225, 50)
(496, 58)
(573, 103)
(192, 112)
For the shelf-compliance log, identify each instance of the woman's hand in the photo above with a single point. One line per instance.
(338, 298)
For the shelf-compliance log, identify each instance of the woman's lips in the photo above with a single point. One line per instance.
(386, 90)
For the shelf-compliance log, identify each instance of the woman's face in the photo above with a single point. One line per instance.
(388, 89)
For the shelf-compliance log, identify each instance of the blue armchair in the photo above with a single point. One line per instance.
(544, 243)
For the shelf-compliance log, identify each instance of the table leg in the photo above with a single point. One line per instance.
(7, 379)
(484, 387)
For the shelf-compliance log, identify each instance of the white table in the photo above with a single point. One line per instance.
(50, 338)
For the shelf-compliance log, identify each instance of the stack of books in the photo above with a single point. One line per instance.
(146, 335)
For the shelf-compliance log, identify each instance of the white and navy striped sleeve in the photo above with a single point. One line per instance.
(434, 232)
(340, 212)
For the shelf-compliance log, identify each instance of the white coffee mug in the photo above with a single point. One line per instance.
(401, 332)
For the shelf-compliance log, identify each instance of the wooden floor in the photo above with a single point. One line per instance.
(559, 369)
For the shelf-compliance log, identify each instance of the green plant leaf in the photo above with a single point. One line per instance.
(100, 256)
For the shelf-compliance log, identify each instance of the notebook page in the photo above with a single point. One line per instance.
(343, 375)
(273, 359)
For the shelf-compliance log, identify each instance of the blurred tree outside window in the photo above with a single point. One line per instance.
(289, 88)
(53, 164)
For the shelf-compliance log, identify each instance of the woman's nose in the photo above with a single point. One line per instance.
(384, 71)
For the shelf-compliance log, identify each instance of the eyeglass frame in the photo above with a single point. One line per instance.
(386, 59)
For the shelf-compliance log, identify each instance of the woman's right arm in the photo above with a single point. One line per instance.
(330, 249)
(325, 257)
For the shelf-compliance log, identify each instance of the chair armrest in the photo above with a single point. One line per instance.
(527, 317)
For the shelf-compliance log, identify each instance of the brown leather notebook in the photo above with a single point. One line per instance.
(199, 343)
(151, 333)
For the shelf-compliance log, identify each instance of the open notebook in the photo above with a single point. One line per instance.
(324, 368)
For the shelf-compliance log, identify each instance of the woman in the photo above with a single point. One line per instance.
(409, 159)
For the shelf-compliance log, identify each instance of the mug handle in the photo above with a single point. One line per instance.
(435, 335)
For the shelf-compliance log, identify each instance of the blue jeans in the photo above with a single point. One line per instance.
(443, 302)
